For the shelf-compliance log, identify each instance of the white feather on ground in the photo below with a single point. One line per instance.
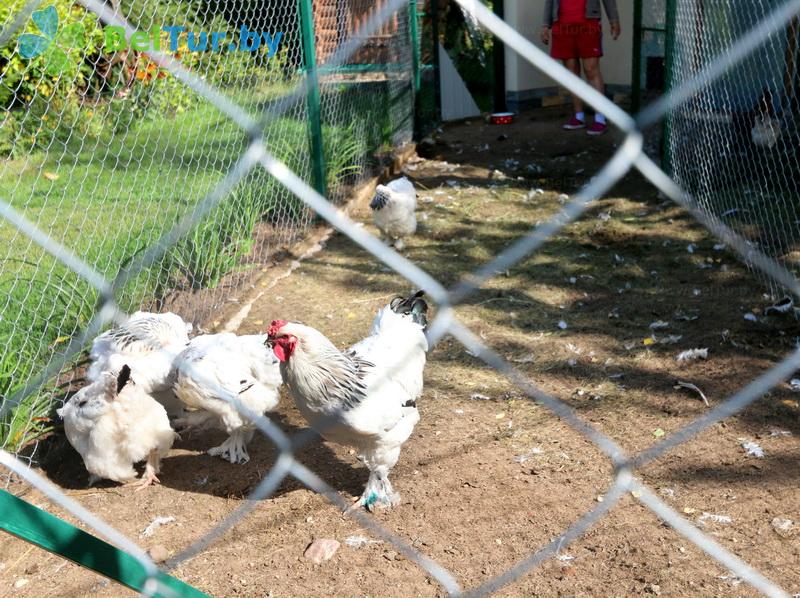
(213, 371)
(692, 354)
(393, 210)
(148, 343)
(113, 423)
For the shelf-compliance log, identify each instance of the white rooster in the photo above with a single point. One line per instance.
(113, 423)
(213, 371)
(148, 343)
(393, 210)
(366, 396)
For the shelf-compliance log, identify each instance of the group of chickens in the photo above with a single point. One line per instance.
(148, 379)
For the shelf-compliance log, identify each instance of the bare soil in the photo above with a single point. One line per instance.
(469, 501)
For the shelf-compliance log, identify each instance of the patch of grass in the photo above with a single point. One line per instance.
(39, 317)
(109, 198)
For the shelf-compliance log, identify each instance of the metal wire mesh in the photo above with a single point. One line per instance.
(108, 284)
(726, 143)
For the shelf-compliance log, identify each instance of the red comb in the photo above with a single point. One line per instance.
(275, 326)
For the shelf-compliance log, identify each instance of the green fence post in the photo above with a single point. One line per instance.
(636, 78)
(437, 89)
(313, 96)
(413, 23)
(669, 51)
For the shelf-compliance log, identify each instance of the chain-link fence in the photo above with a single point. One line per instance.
(734, 145)
(257, 127)
(106, 149)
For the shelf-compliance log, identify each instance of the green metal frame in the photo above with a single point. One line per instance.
(313, 96)
(47, 531)
(666, 136)
(636, 75)
(413, 26)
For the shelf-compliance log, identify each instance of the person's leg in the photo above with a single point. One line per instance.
(578, 120)
(574, 65)
(591, 68)
(590, 50)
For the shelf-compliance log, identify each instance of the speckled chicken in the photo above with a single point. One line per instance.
(393, 211)
(148, 343)
(365, 396)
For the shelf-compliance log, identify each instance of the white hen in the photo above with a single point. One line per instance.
(148, 343)
(113, 423)
(366, 396)
(393, 210)
(214, 370)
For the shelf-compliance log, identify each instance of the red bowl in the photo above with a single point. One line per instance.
(501, 118)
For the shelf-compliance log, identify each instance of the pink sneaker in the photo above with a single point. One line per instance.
(596, 129)
(573, 124)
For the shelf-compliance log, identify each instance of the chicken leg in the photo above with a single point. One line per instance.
(234, 449)
(378, 492)
(151, 468)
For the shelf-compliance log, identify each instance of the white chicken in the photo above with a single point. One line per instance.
(148, 343)
(213, 371)
(366, 396)
(113, 423)
(766, 131)
(393, 210)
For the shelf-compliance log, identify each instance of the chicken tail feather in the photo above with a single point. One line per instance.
(413, 305)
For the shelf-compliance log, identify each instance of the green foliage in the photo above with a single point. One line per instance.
(471, 51)
(161, 149)
(216, 245)
(342, 149)
(39, 316)
(63, 70)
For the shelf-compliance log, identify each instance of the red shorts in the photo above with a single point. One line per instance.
(577, 40)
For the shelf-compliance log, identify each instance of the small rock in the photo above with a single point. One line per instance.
(653, 588)
(158, 553)
(20, 583)
(783, 527)
(321, 550)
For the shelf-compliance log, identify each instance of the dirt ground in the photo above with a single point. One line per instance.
(489, 476)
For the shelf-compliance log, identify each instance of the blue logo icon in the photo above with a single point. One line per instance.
(53, 44)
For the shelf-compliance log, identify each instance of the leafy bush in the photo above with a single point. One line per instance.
(22, 80)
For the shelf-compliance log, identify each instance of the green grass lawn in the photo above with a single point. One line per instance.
(109, 197)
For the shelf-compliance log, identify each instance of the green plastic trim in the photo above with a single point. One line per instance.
(38, 527)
